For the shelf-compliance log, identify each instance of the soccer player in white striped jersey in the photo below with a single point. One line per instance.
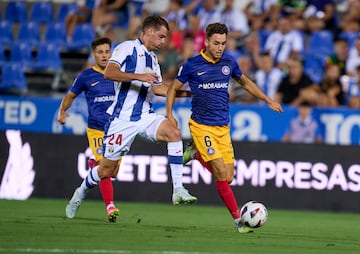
(135, 69)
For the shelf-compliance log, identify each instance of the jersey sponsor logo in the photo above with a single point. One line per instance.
(225, 70)
(95, 83)
(104, 98)
(201, 73)
(213, 85)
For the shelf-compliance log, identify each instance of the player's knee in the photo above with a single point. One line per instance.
(230, 179)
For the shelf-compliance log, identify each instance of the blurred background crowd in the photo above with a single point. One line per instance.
(294, 50)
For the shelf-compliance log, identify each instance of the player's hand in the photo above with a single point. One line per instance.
(275, 106)
(173, 120)
(61, 117)
(150, 78)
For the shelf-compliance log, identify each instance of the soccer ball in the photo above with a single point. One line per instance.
(253, 214)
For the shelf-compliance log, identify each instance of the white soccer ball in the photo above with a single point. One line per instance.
(253, 214)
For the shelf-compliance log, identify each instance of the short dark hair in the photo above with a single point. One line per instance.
(154, 22)
(216, 28)
(100, 41)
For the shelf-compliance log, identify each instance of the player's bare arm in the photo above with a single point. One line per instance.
(113, 72)
(253, 89)
(162, 90)
(65, 105)
(170, 99)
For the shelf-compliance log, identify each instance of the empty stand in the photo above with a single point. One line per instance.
(42, 12)
(29, 32)
(13, 79)
(16, 11)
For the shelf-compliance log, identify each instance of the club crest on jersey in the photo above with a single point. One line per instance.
(225, 70)
(99, 151)
(210, 151)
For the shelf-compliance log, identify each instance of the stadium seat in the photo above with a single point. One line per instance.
(42, 12)
(29, 32)
(82, 37)
(48, 58)
(56, 34)
(13, 79)
(21, 53)
(63, 10)
(6, 34)
(16, 11)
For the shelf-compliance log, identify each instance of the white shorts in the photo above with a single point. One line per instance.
(121, 134)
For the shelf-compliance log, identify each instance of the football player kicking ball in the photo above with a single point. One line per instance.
(135, 71)
(208, 75)
(99, 94)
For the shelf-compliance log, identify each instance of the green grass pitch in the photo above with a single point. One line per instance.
(40, 226)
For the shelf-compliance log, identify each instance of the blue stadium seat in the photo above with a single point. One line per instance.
(6, 33)
(21, 53)
(16, 11)
(13, 79)
(321, 43)
(82, 37)
(48, 58)
(29, 32)
(63, 10)
(56, 34)
(42, 12)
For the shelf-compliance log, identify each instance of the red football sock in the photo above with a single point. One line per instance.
(107, 191)
(227, 195)
(202, 162)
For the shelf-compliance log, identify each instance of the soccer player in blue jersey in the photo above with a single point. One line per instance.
(208, 76)
(99, 93)
(135, 69)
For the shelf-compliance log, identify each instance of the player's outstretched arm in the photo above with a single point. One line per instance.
(253, 89)
(66, 103)
(170, 99)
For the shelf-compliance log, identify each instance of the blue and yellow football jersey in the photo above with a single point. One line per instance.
(99, 94)
(209, 82)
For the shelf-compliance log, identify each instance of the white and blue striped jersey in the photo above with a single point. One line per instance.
(132, 98)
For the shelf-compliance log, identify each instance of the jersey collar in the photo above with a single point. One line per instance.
(95, 68)
(202, 52)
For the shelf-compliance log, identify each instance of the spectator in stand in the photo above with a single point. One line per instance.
(235, 19)
(268, 77)
(296, 86)
(178, 12)
(168, 61)
(331, 86)
(109, 13)
(260, 12)
(340, 56)
(208, 13)
(231, 47)
(352, 90)
(303, 128)
(194, 40)
(293, 9)
(354, 58)
(284, 43)
(252, 49)
(324, 10)
(238, 93)
(352, 10)
(83, 14)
